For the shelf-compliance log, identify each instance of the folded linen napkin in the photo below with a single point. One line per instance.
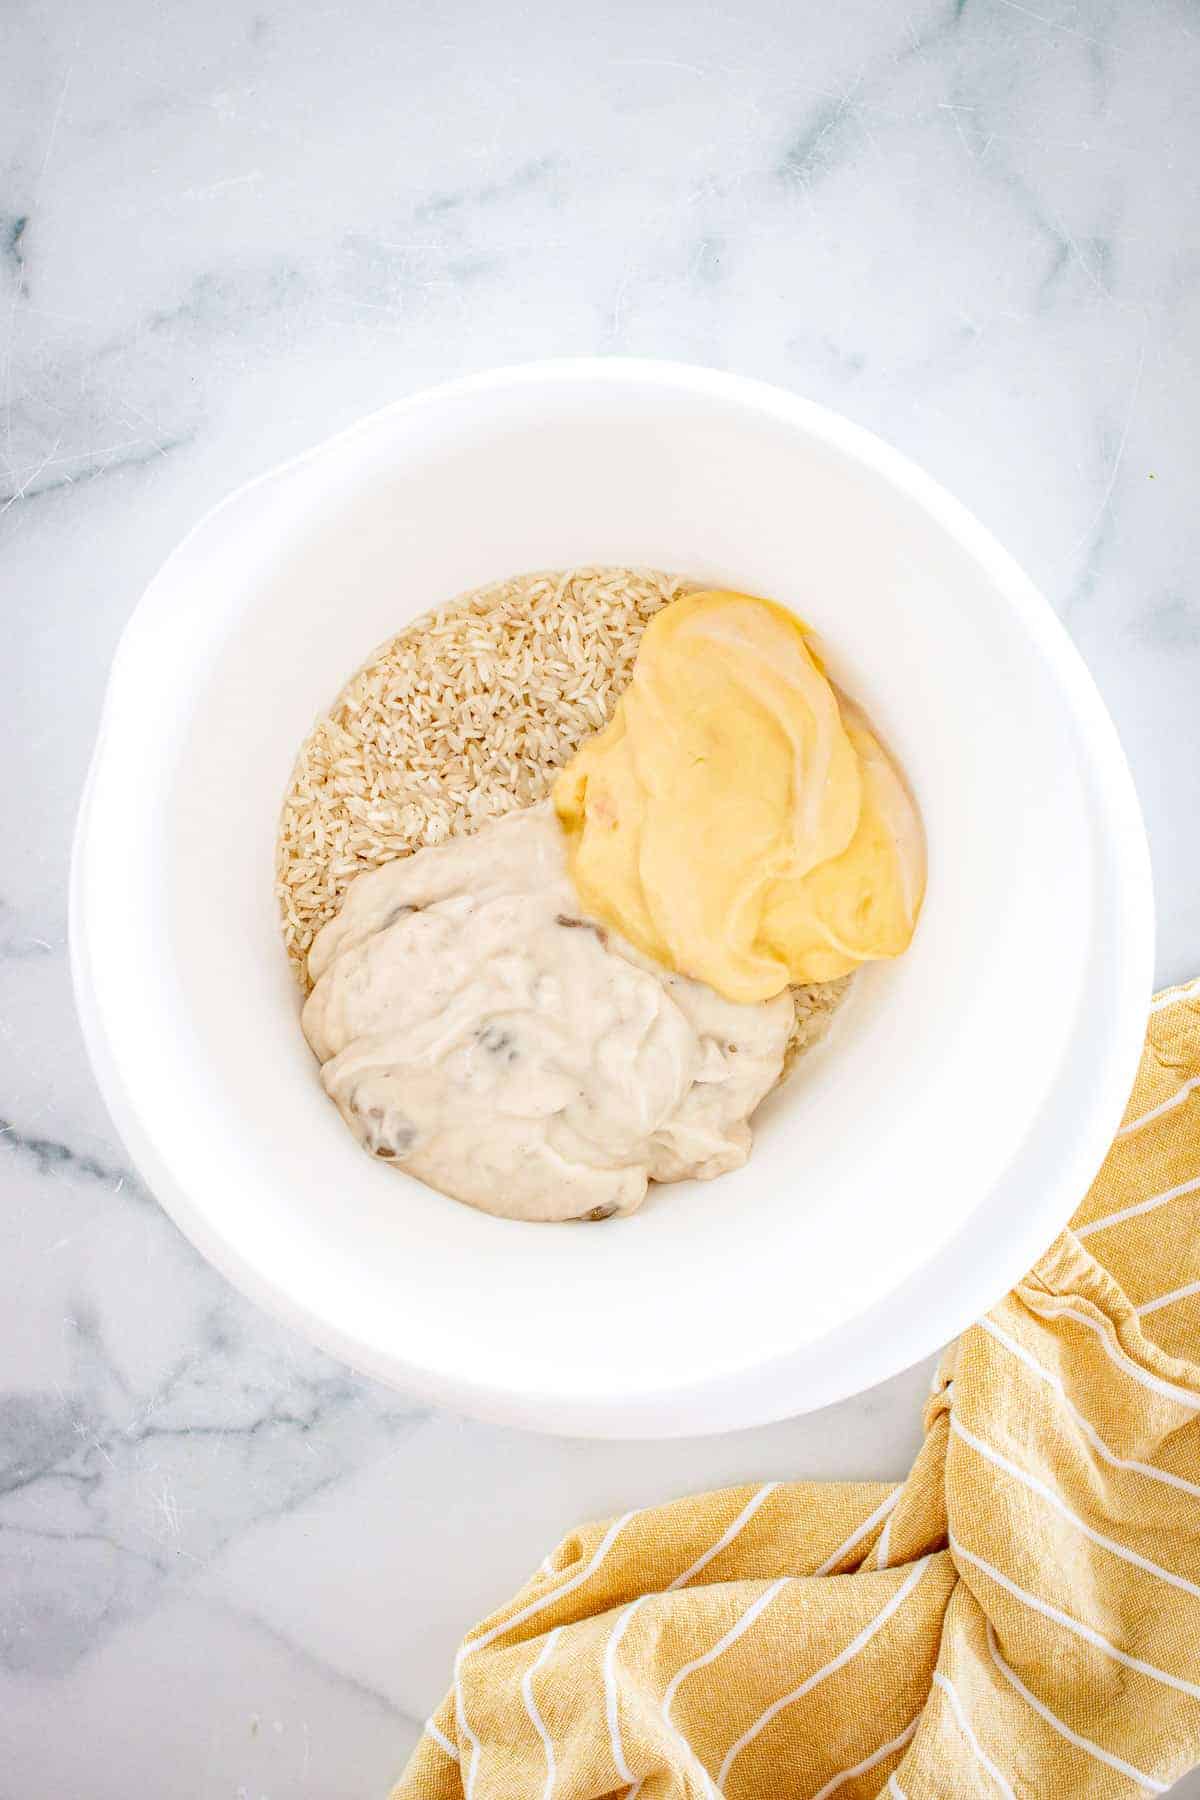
(1021, 1616)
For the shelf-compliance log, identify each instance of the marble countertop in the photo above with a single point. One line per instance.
(227, 229)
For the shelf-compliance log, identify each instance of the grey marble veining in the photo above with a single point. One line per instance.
(228, 1567)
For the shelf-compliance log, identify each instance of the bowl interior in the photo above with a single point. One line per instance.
(882, 1145)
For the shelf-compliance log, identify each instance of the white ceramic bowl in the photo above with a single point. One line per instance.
(912, 1169)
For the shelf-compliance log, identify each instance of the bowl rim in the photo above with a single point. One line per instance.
(950, 1289)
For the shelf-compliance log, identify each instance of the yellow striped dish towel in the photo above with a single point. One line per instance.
(1021, 1616)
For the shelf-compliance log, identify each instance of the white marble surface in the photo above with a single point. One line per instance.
(227, 1566)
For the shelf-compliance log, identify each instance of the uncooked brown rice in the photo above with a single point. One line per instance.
(465, 714)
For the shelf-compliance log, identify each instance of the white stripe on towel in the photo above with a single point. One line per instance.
(610, 1688)
(744, 1517)
(839, 1661)
(1179, 1293)
(1064, 1731)
(868, 1762)
(1085, 1425)
(441, 1740)
(859, 1533)
(464, 1730)
(1164, 1106)
(560, 1593)
(722, 1644)
(1116, 1354)
(981, 1755)
(1036, 1604)
(1140, 1206)
(531, 1707)
(1037, 1486)
(1173, 995)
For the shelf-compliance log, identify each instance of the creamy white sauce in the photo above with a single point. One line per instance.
(475, 1030)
